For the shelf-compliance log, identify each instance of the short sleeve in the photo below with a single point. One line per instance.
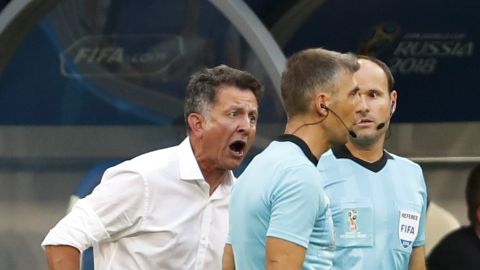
(296, 202)
(229, 239)
(420, 240)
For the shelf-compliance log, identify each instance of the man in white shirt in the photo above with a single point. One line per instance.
(168, 209)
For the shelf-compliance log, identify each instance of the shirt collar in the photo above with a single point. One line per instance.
(189, 169)
(342, 151)
(300, 143)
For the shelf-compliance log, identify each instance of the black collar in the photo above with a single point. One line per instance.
(343, 152)
(300, 143)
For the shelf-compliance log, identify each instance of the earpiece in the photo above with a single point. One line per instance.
(351, 132)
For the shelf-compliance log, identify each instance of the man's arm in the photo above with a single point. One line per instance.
(417, 259)
(284, 255)
(62, 257)
(228, 260)
(295, 209)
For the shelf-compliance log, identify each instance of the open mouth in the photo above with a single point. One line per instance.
(238, 147)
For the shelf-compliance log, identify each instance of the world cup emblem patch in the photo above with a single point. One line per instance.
(355, 227)
(353, 220)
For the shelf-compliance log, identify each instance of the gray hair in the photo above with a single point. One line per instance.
(308, 70)
(204, 85)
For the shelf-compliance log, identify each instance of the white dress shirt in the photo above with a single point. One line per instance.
(152, 212)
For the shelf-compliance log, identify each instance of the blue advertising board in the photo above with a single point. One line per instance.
(431, 47)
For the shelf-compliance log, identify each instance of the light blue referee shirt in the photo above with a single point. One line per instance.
(280, 195)
(378, 209)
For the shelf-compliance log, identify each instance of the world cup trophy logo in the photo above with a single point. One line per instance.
(379, 39)
(352, 220)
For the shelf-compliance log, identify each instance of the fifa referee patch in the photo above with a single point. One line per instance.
(408, 227)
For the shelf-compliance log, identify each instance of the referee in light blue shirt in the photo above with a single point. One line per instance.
(378, 200)
(279, 214)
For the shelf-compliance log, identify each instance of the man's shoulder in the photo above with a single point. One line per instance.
(163, 153)
(285, 155)
(328, 155)
(328, 165)
(404, 161)
(156, 160)
(281, 162)
(166, 152)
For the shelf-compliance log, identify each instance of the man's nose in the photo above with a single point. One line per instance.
(244, 124)
(362, 104)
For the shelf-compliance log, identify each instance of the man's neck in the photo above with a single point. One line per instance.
(214, 177)
(311, 135)
(369, 153)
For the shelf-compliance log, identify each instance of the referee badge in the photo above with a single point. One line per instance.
(408, 227)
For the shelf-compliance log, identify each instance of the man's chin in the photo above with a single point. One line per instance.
(232, 164)
(365, 139)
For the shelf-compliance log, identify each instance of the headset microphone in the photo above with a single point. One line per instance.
(351, 132)
(380, 126)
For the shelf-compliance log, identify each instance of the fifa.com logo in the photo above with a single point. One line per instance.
(121, 55)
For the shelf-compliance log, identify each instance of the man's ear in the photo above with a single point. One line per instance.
(320, 104)
(195, 122)
(393, 98)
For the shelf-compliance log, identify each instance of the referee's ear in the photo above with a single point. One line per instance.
(321, 104)
(393, 98)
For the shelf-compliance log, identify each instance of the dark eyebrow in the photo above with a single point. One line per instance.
(355, 89)
(375, 90)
